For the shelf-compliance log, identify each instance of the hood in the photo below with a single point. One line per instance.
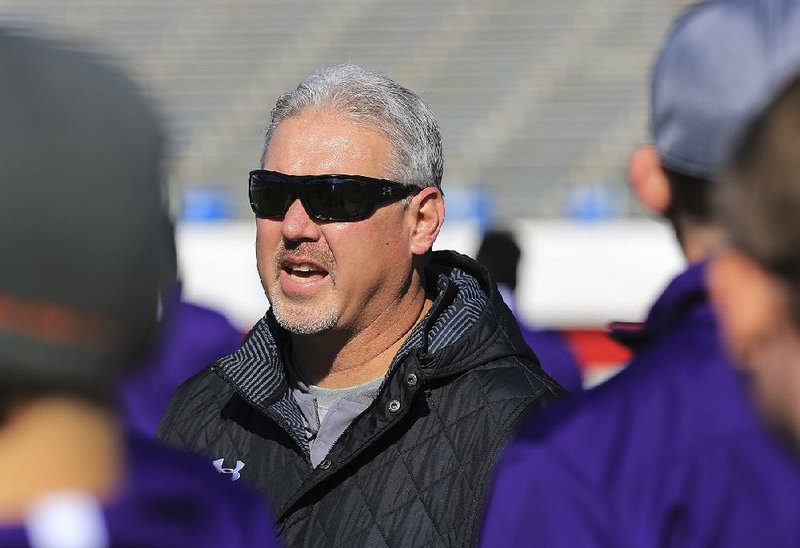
(470, 314)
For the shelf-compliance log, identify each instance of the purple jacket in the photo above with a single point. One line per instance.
(193, 338)
(668, 453)
(174, 499)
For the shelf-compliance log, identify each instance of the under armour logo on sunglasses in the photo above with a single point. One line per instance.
(324, 197)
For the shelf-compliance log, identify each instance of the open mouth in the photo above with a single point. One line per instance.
(304, 271)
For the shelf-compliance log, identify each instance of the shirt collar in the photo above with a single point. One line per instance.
(681, 296)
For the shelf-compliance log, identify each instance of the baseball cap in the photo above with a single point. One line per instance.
(82, 216)
(719, 65)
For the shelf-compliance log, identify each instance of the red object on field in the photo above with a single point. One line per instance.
(595, 349)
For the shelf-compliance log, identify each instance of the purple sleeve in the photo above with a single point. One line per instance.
(730, 494)
(537, 501)
(738, 491)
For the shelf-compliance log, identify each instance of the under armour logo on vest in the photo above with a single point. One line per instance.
(234, 472)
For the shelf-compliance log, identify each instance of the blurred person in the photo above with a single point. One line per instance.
(756, 284)
(192, 336)
(500, 255)
(370, 403)
(669, 452)
(81, 216)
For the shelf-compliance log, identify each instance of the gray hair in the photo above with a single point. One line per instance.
(377, 100)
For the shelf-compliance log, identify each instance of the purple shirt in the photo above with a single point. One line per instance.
(174, 499)
(193, 338)
(667, 453)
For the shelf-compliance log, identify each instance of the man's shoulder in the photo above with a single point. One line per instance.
(505, 390)
(203, 395)
(515, 376)
(203, 390)
(633, 444)
(593, 465)
(677, 401)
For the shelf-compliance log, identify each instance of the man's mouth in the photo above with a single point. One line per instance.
(304, 271)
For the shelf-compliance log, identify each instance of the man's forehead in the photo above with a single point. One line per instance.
(322, 141)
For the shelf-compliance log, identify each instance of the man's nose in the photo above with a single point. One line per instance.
(298, 225)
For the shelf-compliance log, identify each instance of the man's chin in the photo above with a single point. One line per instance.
(305, 322)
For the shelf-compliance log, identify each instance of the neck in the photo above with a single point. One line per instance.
(700, 241)
(344, 358)
(56, 444)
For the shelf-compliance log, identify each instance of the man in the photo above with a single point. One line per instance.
(755, 284)
(669, 453)
(500, 255)
(80, 217)
(370, 402)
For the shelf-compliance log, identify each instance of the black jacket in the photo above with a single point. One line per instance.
(413, 469)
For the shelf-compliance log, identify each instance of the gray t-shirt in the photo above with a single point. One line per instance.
(327, 412)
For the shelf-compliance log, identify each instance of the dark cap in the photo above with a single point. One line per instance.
(720, 63)
(82, 216)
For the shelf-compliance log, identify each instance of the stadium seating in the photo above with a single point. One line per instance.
(536, 98)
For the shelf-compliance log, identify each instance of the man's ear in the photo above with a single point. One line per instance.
(648, 180)
(427, 211)
(747, 300)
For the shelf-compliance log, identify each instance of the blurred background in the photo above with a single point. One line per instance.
(540, 103)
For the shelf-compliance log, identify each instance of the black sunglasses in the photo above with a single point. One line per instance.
(325, 197)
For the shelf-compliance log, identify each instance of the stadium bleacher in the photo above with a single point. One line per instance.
(536, 99)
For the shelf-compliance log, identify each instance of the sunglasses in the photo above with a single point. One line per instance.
(325, 197)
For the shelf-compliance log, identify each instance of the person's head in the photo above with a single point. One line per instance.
(347, 251)
(499, 254)
(716, 66)
(756, 284)
(81, 218)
